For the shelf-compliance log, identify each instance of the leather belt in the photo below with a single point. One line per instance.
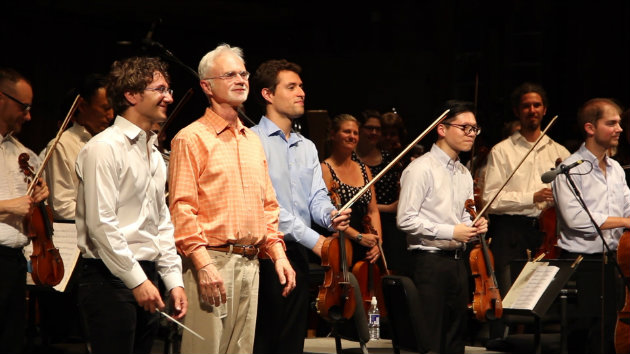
(455, 254)
(248, 251)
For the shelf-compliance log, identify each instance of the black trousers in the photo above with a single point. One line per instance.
(442, 284)
(114, 322)
(281, 322)
(596, 291)
(12, 300)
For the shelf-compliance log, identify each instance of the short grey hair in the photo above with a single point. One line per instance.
(207, 62)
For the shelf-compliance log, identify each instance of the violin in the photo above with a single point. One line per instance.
(487, 303)
(622, 329)
(549, 226)
(46, 262)
(335, 299)
(369, 275)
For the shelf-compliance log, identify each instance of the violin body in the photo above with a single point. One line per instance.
(548, 226)
(486, 299)
(622, 330)
(369, 276)
(47, 265)
(335, 299)
(46, 262)
(487, 304)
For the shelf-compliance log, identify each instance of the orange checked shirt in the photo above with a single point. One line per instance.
(220, 190)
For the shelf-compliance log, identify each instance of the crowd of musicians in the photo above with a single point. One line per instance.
(230, 221)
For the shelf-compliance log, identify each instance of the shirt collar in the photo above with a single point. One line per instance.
(518, 137)
(443, 157)
(80, 131)
(588, 155)
(130, 130)
(219, 124)
(269, 128)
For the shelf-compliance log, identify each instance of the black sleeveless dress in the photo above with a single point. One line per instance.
(359, 208)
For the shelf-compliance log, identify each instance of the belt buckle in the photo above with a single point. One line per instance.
(458, 253)
(248, 248)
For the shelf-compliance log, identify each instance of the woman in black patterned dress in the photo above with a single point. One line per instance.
(350, 175)
(387, 189)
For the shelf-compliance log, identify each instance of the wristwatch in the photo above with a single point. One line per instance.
(359, 237)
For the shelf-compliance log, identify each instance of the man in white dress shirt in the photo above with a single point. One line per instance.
(431, 211)
(602, 183)
(16, 96)
(124, 229)
(94, 113)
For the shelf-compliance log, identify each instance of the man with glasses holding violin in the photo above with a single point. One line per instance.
(225, 212)
(123, 224)
(434, 189)
(16, 96)
(514, 226)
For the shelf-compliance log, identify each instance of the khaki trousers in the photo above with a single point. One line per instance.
(230, 327)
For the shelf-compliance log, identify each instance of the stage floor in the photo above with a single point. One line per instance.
(327, 345)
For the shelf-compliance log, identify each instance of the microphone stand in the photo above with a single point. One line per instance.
(607, 256)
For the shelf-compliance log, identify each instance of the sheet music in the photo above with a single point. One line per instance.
(530, 285)
(65, 239)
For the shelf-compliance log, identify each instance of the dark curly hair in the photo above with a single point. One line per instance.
(131, 75)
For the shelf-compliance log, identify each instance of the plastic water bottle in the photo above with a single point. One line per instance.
(374, 320)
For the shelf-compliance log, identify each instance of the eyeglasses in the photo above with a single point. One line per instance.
(25, 106)
(231, 76)
(162, 90)
(468, 129)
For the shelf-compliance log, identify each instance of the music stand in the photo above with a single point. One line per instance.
(566, 268)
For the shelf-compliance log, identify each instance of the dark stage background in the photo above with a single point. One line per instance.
(404, 54)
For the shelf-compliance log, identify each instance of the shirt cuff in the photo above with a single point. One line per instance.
(173, 280)
(134, 277)
(310, 238)
(276, 251)
(200, 258)
(445, 232)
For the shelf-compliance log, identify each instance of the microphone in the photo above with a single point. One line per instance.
(549, 176)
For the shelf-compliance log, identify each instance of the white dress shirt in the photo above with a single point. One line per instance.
(433, 193)
(61, 177)
(603, 195)
(517, 198)
(13, 185)
(121, 213)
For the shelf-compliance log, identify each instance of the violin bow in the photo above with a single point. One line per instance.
(394, 162)
(49, 152)
(485, 208)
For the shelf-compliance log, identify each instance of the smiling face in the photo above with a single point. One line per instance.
(530, 111)
(606, 130)
(289, 95)
(221, 90)
(151, 104)
(346, 137)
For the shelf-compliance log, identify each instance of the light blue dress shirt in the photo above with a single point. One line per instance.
(603, 195)
(296, 176)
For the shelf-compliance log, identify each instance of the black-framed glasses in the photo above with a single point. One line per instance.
(468, 129)
(231, 76)
(25, 106)
(162, 89)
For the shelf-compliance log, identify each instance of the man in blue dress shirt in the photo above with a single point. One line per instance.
(297, 178)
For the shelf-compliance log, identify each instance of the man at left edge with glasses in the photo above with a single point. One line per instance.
(16, 96)
(124, 229)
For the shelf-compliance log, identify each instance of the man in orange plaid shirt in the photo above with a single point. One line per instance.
(225, 212)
